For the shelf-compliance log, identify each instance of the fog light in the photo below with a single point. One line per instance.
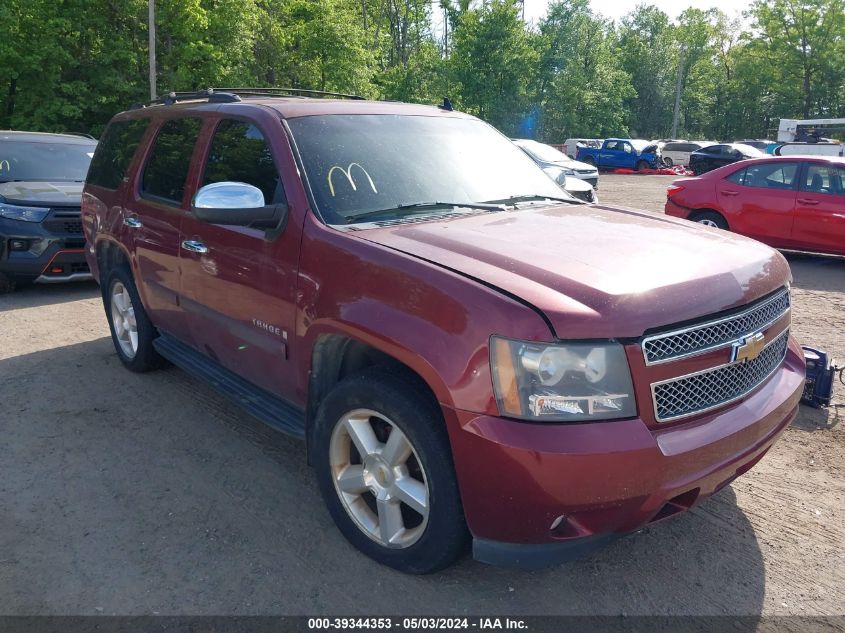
(57, 270)
(18, 245)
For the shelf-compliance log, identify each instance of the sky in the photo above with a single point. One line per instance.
(535, 9)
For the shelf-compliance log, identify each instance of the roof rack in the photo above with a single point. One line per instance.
(287, 92)
(212, 95)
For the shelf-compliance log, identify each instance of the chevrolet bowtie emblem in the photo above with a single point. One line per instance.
(748, 348)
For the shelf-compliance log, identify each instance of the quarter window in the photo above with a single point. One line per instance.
(824, 179)
(239, 153)
(738, 177)
(115, 152)
(167, 167)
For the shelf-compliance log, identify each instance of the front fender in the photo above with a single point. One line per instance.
(436, 321)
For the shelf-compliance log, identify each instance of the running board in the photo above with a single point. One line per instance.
(266, 407)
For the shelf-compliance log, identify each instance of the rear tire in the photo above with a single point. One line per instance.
(712, 219)
(399, 506)
(132, 331)
(589, 160)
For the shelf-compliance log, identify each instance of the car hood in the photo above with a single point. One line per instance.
(66, 194)
(597, 271)
(573, 164)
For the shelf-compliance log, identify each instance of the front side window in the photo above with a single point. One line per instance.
(827, 179)
(239, 153)
(771, 175)
(167, 167)
(115, 151)
(365, 163)
(44, 159)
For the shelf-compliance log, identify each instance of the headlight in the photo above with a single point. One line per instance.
(27, 214)
(561, 383)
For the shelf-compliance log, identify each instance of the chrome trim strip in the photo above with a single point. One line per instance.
(45, 279)
(706, 324)
(654, 385)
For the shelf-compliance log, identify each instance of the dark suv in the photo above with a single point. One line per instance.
(40, 188)
(466, 354)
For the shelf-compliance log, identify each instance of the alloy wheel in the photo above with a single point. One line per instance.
(123, 320)
(379, 478)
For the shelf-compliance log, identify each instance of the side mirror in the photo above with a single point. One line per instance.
(236, 203)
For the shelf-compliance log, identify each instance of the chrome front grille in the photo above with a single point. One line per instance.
(704, 337)
(711, 388)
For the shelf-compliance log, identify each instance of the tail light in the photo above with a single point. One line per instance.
(673, 189)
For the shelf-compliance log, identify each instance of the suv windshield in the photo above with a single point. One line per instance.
(401, 164)
(45, 160)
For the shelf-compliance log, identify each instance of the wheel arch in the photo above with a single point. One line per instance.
(335, 353)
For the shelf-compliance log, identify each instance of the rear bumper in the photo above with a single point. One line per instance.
(46, 258)
(536, 495)
(676, 210)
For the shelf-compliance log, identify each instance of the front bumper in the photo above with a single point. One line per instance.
(538, 494)
(53, 253)
(592, 178)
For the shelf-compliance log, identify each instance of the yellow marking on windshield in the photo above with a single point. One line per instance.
(348, 173)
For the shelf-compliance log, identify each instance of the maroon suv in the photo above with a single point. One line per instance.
(467, 352)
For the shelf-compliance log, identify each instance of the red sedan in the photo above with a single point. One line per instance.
(794, 202)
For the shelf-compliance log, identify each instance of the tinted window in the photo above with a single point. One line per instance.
(771, 175)
(115, 152)
(737, 177)
(44, 159)
(239, 153)
(674, 147)
(167, 166)
(825, 179)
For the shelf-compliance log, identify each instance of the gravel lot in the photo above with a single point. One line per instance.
(148, 494)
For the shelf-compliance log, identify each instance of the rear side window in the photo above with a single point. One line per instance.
(167, 167)
(738, 177)
(771, 175)
(239, 153)
(115, 152)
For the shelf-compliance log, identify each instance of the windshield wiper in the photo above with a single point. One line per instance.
(487, 206)
(531, 197)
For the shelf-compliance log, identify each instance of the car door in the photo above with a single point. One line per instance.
(609, 154)
(239, 283)
(154, 209)
(820, 209)
(759, 200)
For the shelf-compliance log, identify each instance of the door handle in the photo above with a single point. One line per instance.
(730, 192)
(195, 246)
(808, 201)
(132, 223)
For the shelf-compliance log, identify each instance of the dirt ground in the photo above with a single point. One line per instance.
(147, 494)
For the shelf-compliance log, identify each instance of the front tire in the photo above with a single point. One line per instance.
(668, 162)
(384, 467)
(132, 331)
(641, 165)
(7, 284)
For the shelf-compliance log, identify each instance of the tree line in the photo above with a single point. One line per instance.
(69, 65)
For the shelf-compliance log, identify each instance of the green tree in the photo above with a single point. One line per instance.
(495, 61)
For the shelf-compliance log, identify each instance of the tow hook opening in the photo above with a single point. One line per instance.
(675, 505)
